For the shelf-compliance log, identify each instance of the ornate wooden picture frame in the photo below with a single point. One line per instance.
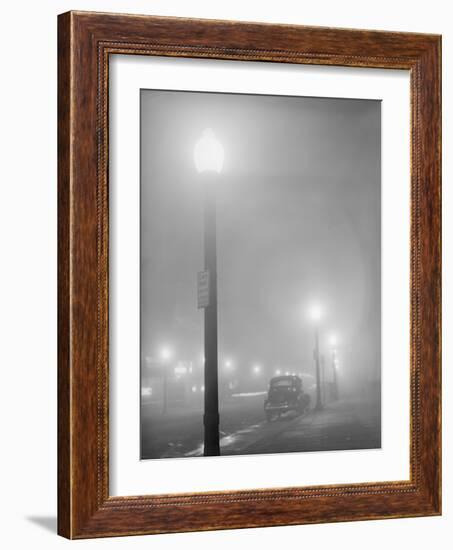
(85, 42)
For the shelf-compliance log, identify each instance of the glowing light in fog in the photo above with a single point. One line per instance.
(315, 312)
(228, 364)
(208, 154)
(166, 354)
(333, 340)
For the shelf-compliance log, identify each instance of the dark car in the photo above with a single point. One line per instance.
(285, 394)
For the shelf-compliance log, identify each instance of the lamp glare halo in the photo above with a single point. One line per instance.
(315, 313)
(208, 153)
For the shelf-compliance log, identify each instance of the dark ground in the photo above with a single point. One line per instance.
(342, 425)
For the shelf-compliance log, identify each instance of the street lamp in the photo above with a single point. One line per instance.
(315, 314)
(333, 342)
(208, 159)
(166, 354)
(208, 154)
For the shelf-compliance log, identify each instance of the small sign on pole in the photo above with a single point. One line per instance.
(203, 289)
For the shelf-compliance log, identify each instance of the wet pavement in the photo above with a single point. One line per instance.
(341, 425)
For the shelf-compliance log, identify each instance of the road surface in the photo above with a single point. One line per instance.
(341, 425)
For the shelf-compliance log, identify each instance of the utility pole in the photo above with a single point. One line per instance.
(334, 375)
(318, 405)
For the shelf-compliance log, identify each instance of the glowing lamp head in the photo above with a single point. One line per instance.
(166, 354)
(333, 340)
(208, 154)
(315, 313)
(257, 369)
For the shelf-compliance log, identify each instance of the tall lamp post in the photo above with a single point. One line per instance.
(208, 158)
(333, 343)
(315, 314)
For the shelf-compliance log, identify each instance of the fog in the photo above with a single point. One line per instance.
(298, 223)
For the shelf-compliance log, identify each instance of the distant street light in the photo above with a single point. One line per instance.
(228, 364)
(208, 159)
(166, 354)
(257, 369)
(278, 372)
(315, 314)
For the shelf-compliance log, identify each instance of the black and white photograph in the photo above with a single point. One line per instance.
(227, 255)
(260, 274)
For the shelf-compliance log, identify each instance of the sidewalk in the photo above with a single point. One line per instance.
(342, 425)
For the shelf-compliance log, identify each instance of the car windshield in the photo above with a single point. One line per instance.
(282, 383)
